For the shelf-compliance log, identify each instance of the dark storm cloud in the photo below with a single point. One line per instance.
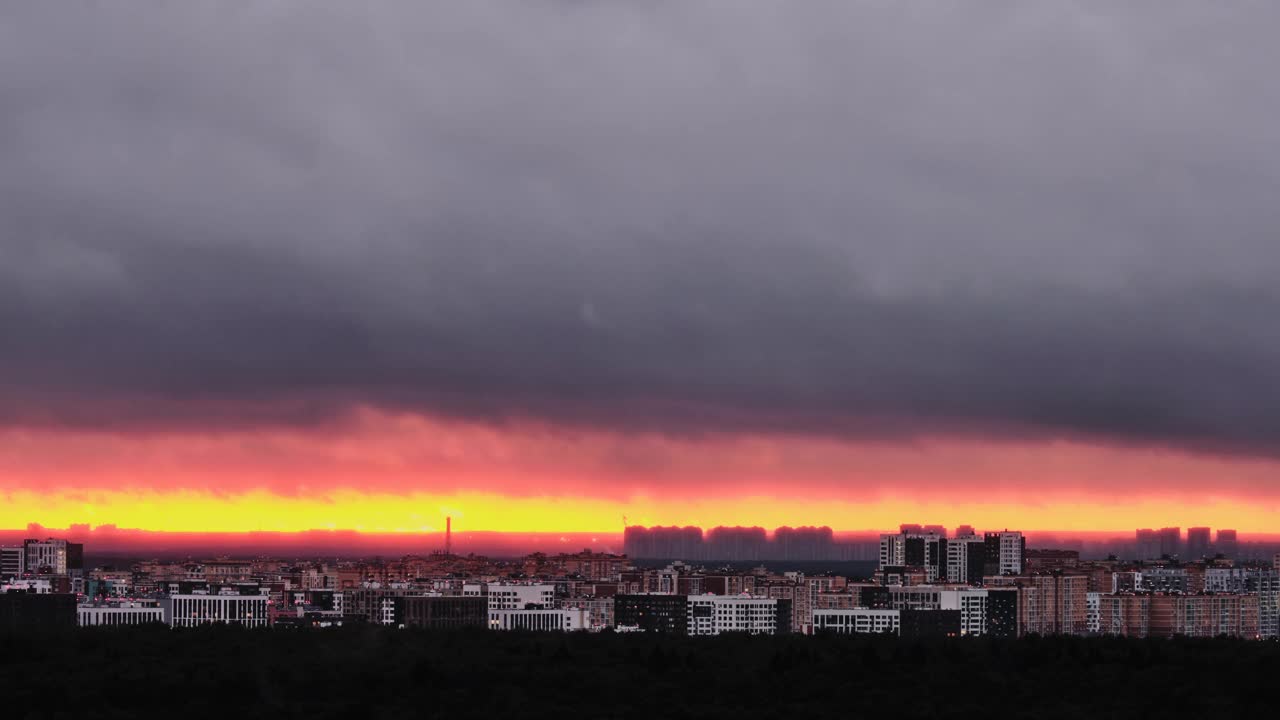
(854, 217)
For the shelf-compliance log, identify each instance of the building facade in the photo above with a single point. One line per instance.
(1006, 550)
(205, 609)
(541, 620)
(439, 612)
(652, 613)
(716, 614)
(13, 562)
(112, 614)
(857, 621)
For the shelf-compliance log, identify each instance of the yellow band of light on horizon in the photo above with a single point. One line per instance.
(194, 511)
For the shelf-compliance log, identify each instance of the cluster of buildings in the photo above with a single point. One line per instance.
(927, 582)
(1168, 542)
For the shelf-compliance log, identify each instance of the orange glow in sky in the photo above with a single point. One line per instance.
(389, 473)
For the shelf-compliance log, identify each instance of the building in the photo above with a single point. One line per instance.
(599, 610)
(1170, 542)
(440, 612)
(589, 565)
(1124, 614)
(504, 596)
(111, 614)
(1049, 604)
(190, 610)
(13, 562)
(1262, 582)
(1198, 543)
(716, 614)
(1006, 550)
(1002, 612)
(652, 613)
(377, 604)
(1164, 579)
(1227, 544)
(1207, 615)
(916, 547)
(970, 602)
(53, 557)
(966, 559)
(109, 583)
(857, 621)
(28, 610)
(1146, 544)
(893, 550)
(45, 585)
(541, 620)
(1050, 560)
(1093, 612)
(1166, 615)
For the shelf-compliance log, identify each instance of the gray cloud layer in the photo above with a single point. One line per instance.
(1033, 216)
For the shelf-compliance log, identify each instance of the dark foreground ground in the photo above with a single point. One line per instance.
(371, 672)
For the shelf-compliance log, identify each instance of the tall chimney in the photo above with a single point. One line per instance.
(448, 535)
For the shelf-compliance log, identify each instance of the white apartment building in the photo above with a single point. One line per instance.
(715, 614)
(503, 596)
(203, 609)
(857, 620)
(893, 550)
(1093, 613)
(546, 620)
(1009, 560)
(49, 553)
(131, 613)
(958, 557)
(972, 604)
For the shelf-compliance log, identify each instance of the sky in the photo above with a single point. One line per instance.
(545, 265)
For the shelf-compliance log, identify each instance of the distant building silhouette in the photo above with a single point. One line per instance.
(1198, 543)
(1170, 542)
(1146, 544)
(739, 544)
(1227, 544)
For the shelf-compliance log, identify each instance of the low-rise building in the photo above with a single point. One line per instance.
(121, 613)
(438, 612)
(856, 621)
(206, 609)
(542, 619)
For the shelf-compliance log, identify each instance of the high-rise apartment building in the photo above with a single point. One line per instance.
(1146, 544)
(1227, 544)
(1170, 542)
(916, 547)
(1006, 550)
(966, 559)
(1198, 543)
